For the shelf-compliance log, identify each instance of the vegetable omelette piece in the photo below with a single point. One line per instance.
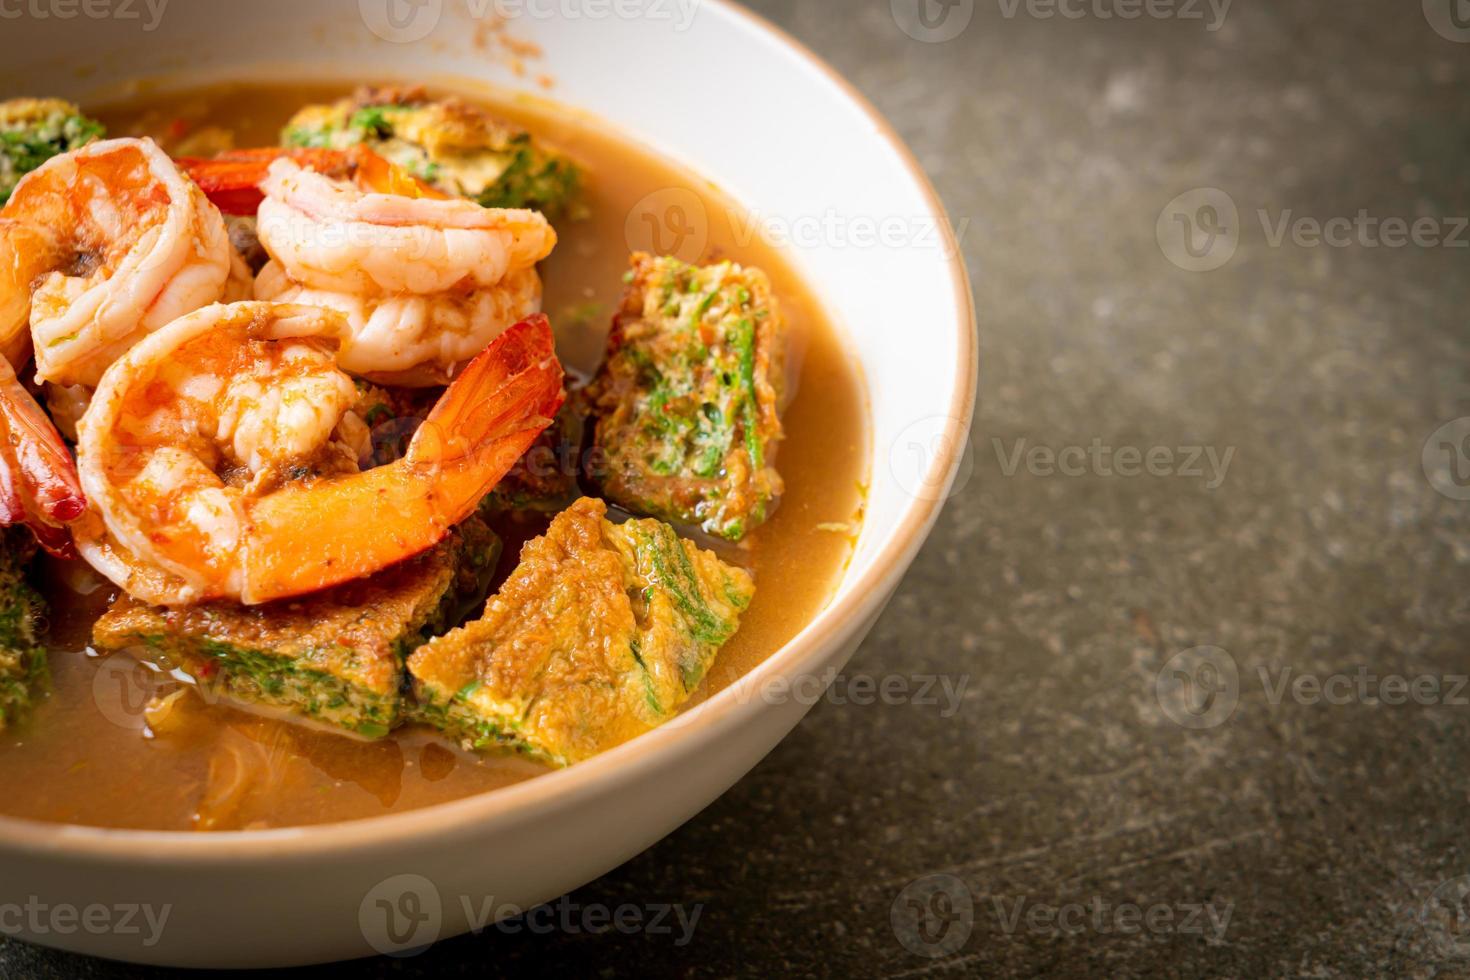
(598, 636)
(22, 654)
(336, 656)
(33, 131)
(457, 147)
(686, 402)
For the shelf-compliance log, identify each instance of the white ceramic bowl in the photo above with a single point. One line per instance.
(706, 83)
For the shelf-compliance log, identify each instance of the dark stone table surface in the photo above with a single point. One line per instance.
(1207, 578)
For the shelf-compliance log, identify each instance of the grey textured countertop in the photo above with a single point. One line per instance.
(1177, 752)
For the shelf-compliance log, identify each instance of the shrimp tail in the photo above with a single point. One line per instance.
(489, 417)
(501, 392)
(39, 486)
(232, 180)
(314, 536)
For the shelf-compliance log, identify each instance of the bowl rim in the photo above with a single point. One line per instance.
(833, 625)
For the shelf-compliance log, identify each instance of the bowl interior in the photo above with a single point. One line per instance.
(702, 82)
(710, 86)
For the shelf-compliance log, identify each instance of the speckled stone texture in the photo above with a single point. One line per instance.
(1111, 799)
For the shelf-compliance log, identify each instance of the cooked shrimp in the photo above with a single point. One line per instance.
(406, 338)
(38, 481)
(105, 245)
(330, 234)
(98, 247)
(18, 242)
(206, 456)
(411, 340)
